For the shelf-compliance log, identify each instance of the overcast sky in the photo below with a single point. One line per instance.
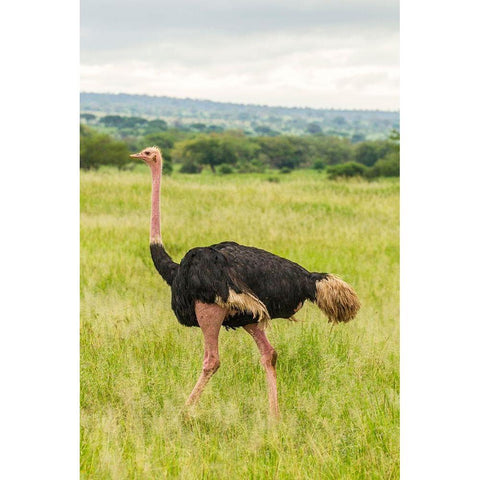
(319, 53)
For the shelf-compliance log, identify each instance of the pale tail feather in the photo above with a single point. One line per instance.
(336, 299)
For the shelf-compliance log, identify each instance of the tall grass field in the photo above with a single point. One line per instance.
(338, 386)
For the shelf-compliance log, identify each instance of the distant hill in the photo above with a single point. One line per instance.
(253, 119)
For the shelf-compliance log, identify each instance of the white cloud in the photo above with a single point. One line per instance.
(330, 65)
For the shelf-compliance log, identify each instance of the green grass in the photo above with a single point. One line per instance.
(338, 387)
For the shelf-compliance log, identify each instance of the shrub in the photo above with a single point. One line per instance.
(98, 149)
(358, 137)
(332, 150)
(88, 117)
(167, 167)
(157, 124)
(318, 164)
(283, 151)
(314, 128)
(386, 167)
(256, 165)
(349, 169)
(369, 152)
(190, 167)
(285, 170)
(225, 169)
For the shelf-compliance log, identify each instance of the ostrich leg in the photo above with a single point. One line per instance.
(268, 360)
(210, 318)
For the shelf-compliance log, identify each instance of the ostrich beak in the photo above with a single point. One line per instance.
(136, 155)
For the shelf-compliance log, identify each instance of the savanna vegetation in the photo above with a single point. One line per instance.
(338, 386)
(113, 137)
(260, 120)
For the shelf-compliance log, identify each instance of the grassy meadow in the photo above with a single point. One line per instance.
(338, 387)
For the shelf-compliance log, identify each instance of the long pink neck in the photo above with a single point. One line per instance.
(155, 232)
(164, 264)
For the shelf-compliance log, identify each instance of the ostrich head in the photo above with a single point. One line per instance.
(152, 156)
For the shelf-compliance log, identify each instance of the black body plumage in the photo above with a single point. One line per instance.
(207, 274)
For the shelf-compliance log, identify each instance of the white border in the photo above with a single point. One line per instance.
(440, 240)
(40, 241)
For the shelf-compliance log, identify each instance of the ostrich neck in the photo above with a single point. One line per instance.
(165, 266)
(155, 232)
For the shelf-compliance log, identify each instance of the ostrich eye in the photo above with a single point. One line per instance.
(147, 153)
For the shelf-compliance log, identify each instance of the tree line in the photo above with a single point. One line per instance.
(253, 119)
(233, 151)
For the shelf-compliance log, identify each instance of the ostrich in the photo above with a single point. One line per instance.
(239, 286)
